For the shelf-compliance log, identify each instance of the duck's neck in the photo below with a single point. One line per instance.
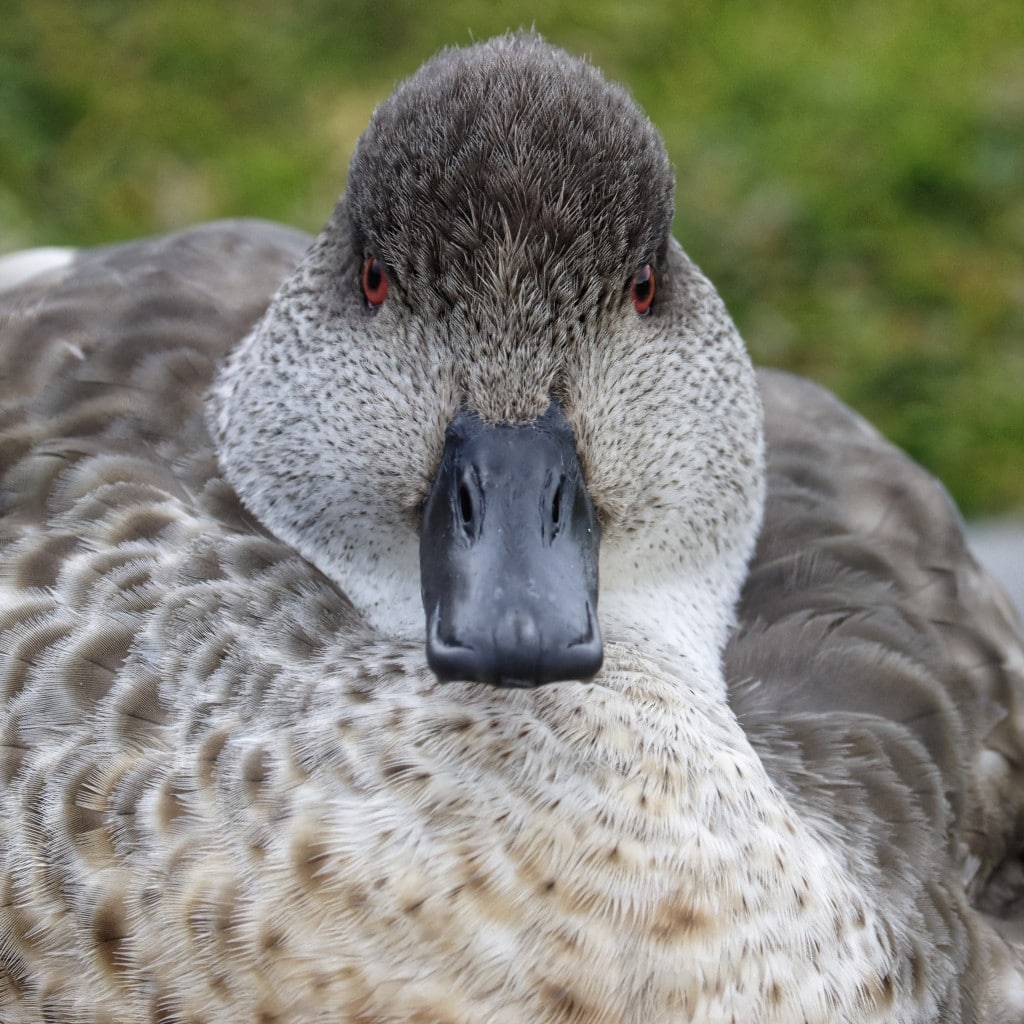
(679, 617)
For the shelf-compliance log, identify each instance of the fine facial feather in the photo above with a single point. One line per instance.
(230, 794)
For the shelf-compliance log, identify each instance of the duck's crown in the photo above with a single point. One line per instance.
(512, 141)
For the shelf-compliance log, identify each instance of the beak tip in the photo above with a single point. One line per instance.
(485, 659)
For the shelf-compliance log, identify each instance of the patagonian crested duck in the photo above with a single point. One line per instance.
(470, 634)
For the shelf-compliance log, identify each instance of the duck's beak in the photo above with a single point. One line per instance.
(508, 556)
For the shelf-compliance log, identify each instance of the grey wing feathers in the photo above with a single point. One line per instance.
(115, 355)
(880, 674)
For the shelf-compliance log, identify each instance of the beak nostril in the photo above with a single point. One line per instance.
(465, 504)
(552, 506)
(468, 503)
(556, 503)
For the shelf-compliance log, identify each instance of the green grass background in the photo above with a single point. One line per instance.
(851, 175)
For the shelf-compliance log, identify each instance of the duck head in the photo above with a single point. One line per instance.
(495, 369)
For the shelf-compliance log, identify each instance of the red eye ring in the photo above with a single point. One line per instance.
(643, 289)
(375, 282)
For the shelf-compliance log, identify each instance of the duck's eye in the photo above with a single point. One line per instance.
(643, 289)
(375, 282)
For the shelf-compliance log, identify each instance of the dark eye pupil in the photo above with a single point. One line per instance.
(375, 283)
(643, 288)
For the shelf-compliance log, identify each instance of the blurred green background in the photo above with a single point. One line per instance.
(851, 175)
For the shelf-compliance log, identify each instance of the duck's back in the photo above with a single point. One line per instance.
(114, 352)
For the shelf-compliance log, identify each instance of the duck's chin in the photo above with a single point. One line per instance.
(679, 620)
(662, 628)
(381, 580)
(390, 607)
(674, 616)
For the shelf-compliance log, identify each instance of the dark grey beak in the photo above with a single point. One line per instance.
(508, 556)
